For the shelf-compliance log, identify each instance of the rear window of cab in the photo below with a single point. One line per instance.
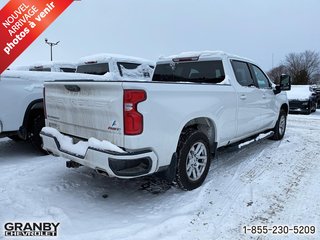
(194, 71)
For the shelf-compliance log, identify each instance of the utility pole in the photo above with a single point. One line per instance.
(51, 44)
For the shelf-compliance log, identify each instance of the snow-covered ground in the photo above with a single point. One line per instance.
(269, 183)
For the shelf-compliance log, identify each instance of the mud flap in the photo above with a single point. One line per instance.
(169, 173)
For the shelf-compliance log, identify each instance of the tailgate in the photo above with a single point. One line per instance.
(86, 109)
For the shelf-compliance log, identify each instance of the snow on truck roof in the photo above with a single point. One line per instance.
(202, 54)
(46, 64)
(106, 57)
(47, 76)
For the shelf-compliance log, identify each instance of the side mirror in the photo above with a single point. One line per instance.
(285, 82)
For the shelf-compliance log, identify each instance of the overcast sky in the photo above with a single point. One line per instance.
(151, 28)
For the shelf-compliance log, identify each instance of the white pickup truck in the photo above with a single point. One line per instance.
(21, 103)
(195, 103)
(21, 92)
(116, 66)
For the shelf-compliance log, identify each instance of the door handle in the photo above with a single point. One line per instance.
(243, 97)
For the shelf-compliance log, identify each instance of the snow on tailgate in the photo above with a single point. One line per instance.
(80, 148)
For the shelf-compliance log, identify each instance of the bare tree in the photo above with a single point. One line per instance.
(275, 73)
(302, 66)
(316, 79)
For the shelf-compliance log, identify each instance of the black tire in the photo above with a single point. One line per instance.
(15, 138)
(189, 141)
(37, 123)
(280, 128)
(308, 112)
(314, 107)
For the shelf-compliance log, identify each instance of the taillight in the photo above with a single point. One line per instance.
(133, 120)
(44, 102)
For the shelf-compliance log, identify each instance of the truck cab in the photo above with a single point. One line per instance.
(52, 66)
(116, 67)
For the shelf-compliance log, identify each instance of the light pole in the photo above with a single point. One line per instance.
(51, 44)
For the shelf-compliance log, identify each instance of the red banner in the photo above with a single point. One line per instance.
(21, 22)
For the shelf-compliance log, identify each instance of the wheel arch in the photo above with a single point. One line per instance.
(285, 107)
(205, 125)
(33, 108)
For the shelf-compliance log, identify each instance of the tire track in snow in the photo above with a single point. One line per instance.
(294, 181)
(241, 171)
(287, 174)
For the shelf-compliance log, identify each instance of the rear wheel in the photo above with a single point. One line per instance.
(37, 123)
(193, 159)
(315, 106)
(280, 127)
(15, 138)
(309, 111)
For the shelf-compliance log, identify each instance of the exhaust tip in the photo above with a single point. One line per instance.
(72, 164)
(102, 172)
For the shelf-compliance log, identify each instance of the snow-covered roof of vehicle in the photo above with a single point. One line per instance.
(202, 54)
(45, 64)
(299, 92)
(106, 57)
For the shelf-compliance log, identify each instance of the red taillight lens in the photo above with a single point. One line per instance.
(133, 120)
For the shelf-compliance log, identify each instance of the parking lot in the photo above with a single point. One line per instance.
(269, 183)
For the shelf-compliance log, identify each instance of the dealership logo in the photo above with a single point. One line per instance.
(27, 229)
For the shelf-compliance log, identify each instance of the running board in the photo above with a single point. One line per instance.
(249, 141)
(256, 139)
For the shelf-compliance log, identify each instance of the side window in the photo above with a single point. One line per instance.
(40, 69)
(262, 80)
(126, 65)
(67, 69)
(242, 72)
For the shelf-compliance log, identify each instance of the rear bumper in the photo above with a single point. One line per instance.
(121, 165)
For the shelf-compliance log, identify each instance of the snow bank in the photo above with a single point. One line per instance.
(80, 148)
(299, 92)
